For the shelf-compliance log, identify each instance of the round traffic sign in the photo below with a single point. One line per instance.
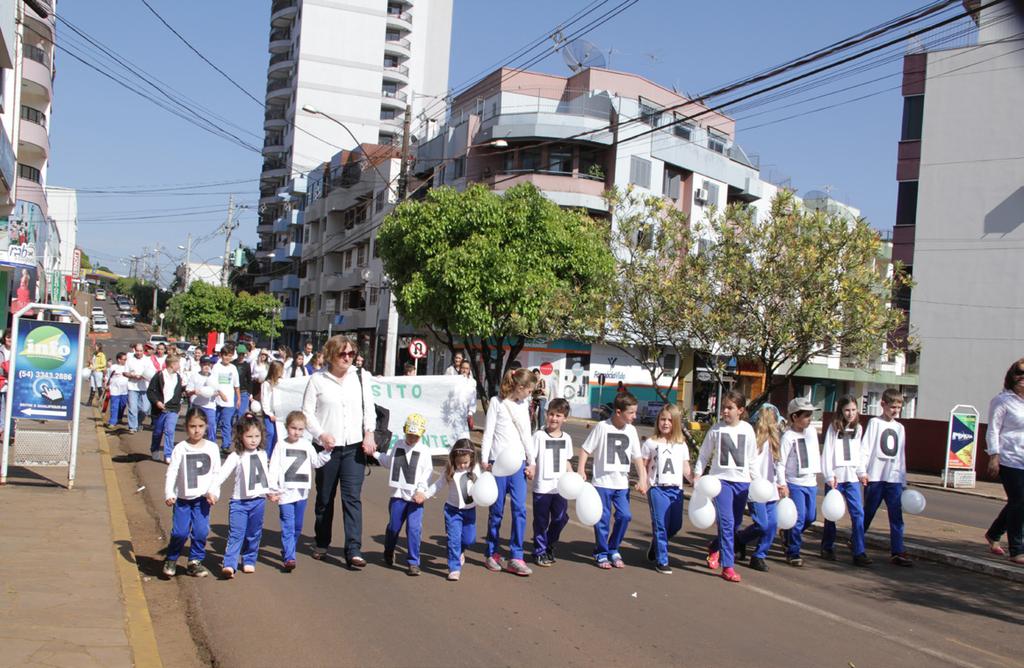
(546, 368)
(418, 348)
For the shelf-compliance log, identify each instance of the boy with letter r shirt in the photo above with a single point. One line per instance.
(614, 444)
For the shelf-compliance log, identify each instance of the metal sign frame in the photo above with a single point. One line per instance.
(949, 437)
(12, 375)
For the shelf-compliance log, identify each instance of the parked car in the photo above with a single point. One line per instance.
(97, 310)
(125, 320)
(157, 338)
(100, 325)
(101, 295)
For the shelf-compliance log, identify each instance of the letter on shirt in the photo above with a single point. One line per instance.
(197, 464)
(256, 479)
(553, 448)
(847, 458)
(801, 453)
(730, 450)
(463, 483)
(617, 451)
(406, 465)
(293, 475)
(889, 443)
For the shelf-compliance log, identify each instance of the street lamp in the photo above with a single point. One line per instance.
(161, 323)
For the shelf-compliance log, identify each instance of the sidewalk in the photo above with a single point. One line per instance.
(988, 490)
(66, 599)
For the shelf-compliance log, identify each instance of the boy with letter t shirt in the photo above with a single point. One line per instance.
(614, 443)
(884, 456)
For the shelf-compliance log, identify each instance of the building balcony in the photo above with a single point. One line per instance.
(398, 73)
(393, 99)
(562, 188)
(280, 40)
(31, 191)
(274, 169)
(275, 118)
(391, 125)
(284, 222)
(289, 313)
(290, 282)
(288, 252)
(399, 21)
(36, 77)
(281, 65)
(283, 12)
(278, 89)
(265, 228)
(34, 139)
(398, 47)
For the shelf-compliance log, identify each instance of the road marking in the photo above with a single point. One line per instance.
(998, 657)
(141, 636)
(864, 627)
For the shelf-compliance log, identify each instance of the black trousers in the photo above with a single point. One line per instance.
(1011, 517)
(346, 471)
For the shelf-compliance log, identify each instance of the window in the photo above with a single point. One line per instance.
(388, 114)
(591, 164)
(671, 181)
(379, 201)
(361, 255)
(33, 115)
(392, 36)
(373, 296)
(459, 168)
(906, 203)
(913, 117)
(640, 171)
(712, 189)
(390, 61)
(347, 263)
(560, 159)
(530, 159)
(650, 112)
(682, 130)
(389, 88)
(29, 172)
(508, 161)
(717, 141)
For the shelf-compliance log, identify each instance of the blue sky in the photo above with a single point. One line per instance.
(103, 135)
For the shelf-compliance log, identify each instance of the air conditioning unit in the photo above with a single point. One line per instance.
(700, 195)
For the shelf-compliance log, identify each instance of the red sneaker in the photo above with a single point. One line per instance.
(729, 575)
(712, 559)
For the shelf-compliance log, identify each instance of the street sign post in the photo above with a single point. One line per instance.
(418, 349)
(961, 446)
(44, 387)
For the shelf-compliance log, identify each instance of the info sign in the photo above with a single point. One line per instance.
(46, 370)
(961, 447)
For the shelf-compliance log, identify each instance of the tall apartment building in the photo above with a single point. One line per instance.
(63, 206)
(960, 211)
(340, 75)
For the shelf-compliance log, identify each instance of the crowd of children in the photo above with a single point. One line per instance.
(784, 453)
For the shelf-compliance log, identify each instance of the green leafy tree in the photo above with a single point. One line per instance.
(493, 270)
(86, 262)
(259, 314)
(795, 285)
(204, 308)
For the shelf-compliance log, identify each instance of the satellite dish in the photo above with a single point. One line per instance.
(580, 54)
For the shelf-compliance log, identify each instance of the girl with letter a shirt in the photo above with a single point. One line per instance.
(843, 469)
(668, 462)
(192, 471)
(731, 449)
(798, 468)
(248, 462)
(291, 477)
(459, 507)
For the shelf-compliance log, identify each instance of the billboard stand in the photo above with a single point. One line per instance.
(961, 447)
(44, 390)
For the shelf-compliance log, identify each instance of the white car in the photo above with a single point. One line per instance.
(97, 310)
(100, 325)
(157, 338)
(101, 295)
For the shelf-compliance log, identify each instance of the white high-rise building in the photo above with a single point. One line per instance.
(64, 212)
(340, 75)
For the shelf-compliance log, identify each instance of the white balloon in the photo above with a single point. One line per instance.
(255, 406)
(761, 491)
(702, 511)
(785, 513)
(833, 506)
(570, 485)
(913, 501)
(507, 463)
(710, 486)
(485, 489)
(588, 505)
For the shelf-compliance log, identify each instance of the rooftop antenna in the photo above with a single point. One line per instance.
(580, 54)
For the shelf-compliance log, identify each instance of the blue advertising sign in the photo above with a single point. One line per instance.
(46, 370)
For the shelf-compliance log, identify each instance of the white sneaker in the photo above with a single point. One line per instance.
(157, 456)
(453, 576)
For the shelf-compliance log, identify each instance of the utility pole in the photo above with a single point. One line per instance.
(391, 336)
(156, 278)
(188, 260)
(229, 225)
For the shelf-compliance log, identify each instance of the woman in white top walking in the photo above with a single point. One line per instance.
(1005, 439)
(339, 413)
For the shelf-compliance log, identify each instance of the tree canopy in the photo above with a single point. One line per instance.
(206, 308)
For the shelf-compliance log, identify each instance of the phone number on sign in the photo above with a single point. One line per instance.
(45, 374)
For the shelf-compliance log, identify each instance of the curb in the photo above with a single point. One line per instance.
(939, 488)
(141, 635)
(947, 557)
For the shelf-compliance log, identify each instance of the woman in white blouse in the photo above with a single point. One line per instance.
(339, 412)
(1005, 441)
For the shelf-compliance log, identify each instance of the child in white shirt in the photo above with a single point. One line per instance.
(764, 515)
(668, 463)
(191, 472)
(291, 477)
(731, 449)
(117, 389)
(843, 469)
(459, 507)
(552, 450)
(797, 470)
(884, 460)
(202, 388)
(409, 466)
(248, 462)
(614, 444)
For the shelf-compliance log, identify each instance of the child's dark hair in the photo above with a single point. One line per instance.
(246, 422)
(198, 413)
(295, 416)
(227, 349)
(737, 398)
(462, 448)
(890, 395)
(623, 400)
(839, 423)
(560, 406)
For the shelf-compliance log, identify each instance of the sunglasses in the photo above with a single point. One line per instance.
(347, 353)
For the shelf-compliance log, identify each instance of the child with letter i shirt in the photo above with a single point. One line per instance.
(552, 450)
(291, 476)
(884, 457)
(731, 448)
(193, 469)
(668, 462)
(409, 468)
(614, 443)
(797, 470)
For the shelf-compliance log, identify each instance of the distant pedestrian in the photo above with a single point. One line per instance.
(244, 377)
(193, 468)
(229, 395)
(1005, 440)
(5, 367)
(139, 370)
(456, 365)
(202, 391)
(298, 369)
(117, 389)
(409, 369)
(317, 363)
(97, 371)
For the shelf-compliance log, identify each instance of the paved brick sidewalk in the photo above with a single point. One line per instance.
(62, 600)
